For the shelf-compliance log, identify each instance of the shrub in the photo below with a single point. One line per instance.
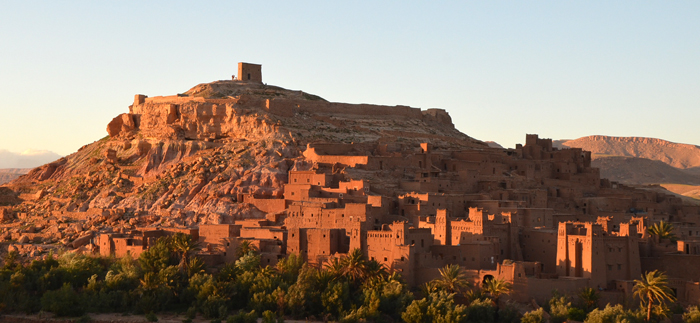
(191, 312)
(509, 313)
(535, 316)
(243, 317)
(481, 311)
(613, 314)
(436, 307)
(62, 302)
(151, 317)
(692, 315)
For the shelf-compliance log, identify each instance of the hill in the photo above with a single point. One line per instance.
(8, 174)
(26, 159)
(681, 156)
(196, 153)
(637, 160)
(642, 171)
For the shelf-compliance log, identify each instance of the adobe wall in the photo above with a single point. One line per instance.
(215, 235)
(540, 245)
(471, 255)
(541, 289)
(316, 245)
(309, 177)
(350, 161)
(675, 265)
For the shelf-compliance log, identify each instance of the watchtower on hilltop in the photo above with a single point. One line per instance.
(249, 72)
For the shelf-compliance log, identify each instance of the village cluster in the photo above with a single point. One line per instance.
(535, 216)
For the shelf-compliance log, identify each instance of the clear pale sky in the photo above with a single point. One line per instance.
(562, 69)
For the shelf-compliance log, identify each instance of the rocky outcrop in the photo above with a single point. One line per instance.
(122, 124)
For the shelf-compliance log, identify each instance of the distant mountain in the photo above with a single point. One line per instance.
(8, 174)
(681, 156)
(26, 159)
(638, 160)
(642, 171)
(494, 144)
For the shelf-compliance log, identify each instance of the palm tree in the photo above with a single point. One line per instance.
(653, 287)
(355, 265)
(495, 287)
(452, 279)
(185, 246)
(334, 268)
(244, 248)
(376, 269)
(149, 284)
(663, 230)
(429, 288)
(590, 298)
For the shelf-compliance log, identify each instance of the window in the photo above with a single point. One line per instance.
(249, 79)
(385, 259)
(609, 267)
(619, 267)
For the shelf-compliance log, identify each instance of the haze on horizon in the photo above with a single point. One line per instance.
(562, 70)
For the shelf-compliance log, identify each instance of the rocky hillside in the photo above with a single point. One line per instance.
(187, 158)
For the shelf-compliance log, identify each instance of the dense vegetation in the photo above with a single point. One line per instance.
(167, 277)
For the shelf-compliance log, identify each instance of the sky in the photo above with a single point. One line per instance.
(502, 69)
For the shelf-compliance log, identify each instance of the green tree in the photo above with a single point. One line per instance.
(559, 307)
(589, 297)
(436, 307)
(63, 302)
(653, 288)
(615, 314)
(534, 316)
(481, 311)
(157, 257)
